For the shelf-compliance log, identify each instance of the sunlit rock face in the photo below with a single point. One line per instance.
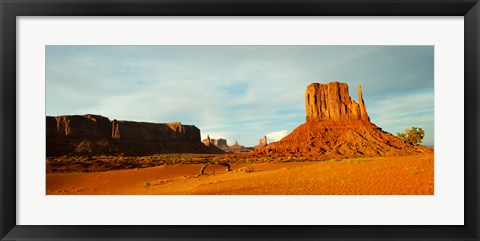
(332, 102)
(262, 143)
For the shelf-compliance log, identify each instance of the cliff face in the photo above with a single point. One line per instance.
(97, 127)
(95, 134)
(337, 126)
(332, 102)
(129, 130)
(87, 126)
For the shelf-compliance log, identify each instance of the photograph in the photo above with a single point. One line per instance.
(239, 119)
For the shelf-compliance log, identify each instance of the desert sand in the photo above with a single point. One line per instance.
(403, 175)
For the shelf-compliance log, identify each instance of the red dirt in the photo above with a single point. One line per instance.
(334, 139)
(406, 175)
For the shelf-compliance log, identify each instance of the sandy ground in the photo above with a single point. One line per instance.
(383, 175)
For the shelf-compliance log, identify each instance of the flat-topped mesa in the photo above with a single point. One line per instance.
(220, 142)
(98, 127)
(332, 102)
(95, 135)
(143, 131)
(76, 126)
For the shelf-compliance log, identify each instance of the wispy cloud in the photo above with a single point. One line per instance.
(276, 135)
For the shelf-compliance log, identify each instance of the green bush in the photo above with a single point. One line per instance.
(412, 136)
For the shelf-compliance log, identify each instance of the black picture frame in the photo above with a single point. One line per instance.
(10, 9)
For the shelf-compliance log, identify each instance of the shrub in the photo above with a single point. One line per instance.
(412, 136)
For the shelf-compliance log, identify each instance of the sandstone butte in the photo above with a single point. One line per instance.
(337, 126)
(222, 144)
(98, 135)
(262, 143)
(217, 142)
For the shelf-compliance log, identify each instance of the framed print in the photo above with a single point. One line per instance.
(239, 120)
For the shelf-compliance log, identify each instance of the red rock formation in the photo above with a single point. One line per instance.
(332, 102)
(220, 142)
(237, 148)
(87, 126)
(94, 134)
(235, 144)
(130, 130)
(217, 142)
(337, 126)
(207, 141)
(211, 144)
(262, 143)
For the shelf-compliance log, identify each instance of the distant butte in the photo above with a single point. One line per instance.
(337, 126)
(222, 144)
(262, 143)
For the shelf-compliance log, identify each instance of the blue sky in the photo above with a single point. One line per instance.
(238, 92)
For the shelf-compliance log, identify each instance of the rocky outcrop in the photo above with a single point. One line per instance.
(220, 142)
(237, 148)
(216, 145)
(95, 134)
(76, 126)
(337, 126)
(332, 102)
(235, 144)
(330, 139)
(208, 141)
(262, 143)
